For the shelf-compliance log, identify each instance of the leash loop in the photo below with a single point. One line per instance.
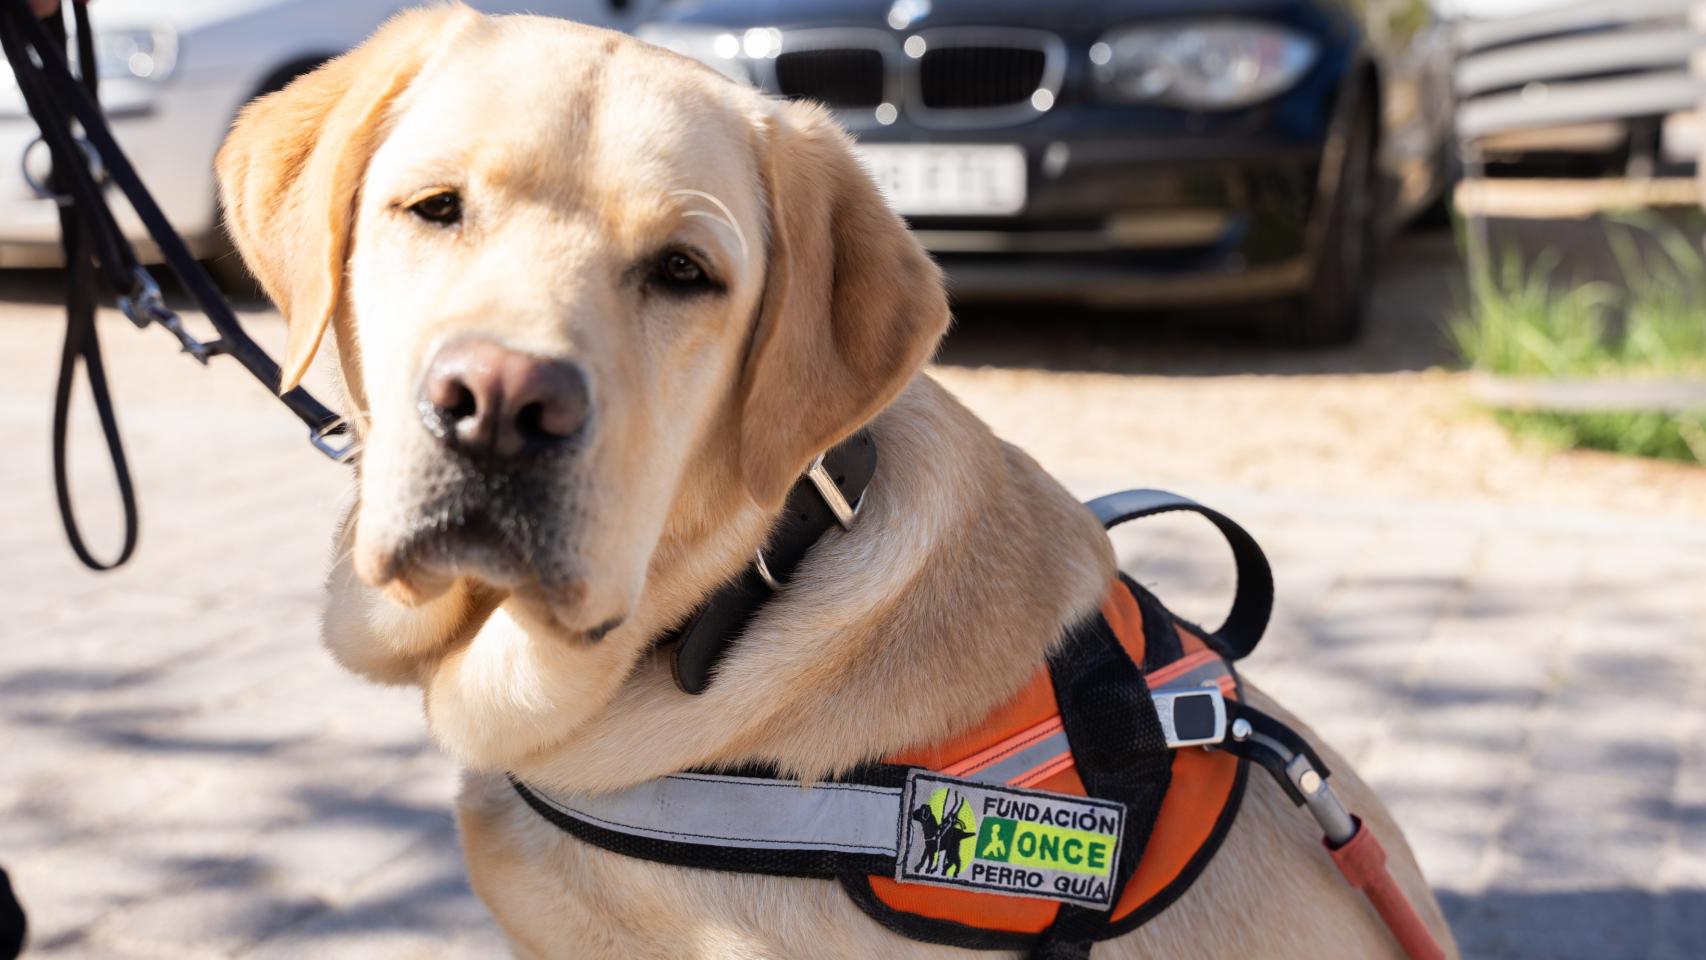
(74, 186)
(82, 343)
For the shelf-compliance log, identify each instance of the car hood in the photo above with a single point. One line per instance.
(937, 13)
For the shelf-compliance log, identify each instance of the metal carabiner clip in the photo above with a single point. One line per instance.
(144, 305)
(321, 438)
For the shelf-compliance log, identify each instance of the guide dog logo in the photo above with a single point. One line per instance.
(1005, 840)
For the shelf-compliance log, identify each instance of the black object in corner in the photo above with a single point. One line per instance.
(12, 925)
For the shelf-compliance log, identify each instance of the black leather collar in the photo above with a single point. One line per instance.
(808, 513)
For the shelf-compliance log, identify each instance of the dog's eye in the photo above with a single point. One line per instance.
(443, 207)
(679, 271)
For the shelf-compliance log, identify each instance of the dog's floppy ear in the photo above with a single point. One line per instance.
(853, 306)
(291, 169)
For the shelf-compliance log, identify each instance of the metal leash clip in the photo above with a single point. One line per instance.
(145, 305)
(1300, 773)
(321, 438)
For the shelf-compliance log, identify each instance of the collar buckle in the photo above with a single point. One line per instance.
(827, 490)
(845, 513)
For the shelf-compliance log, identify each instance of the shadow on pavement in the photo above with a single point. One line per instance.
(1578, 924)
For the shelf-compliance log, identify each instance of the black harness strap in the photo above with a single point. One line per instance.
(1121, 754)
(1161, 641)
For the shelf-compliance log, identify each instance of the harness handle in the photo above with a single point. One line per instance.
(1253, 599)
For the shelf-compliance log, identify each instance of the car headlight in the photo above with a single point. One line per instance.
(726, 51)
(136, 54)
(1208, 65)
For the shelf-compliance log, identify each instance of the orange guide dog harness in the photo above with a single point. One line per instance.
(1075, 812)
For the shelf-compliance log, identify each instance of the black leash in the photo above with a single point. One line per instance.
(93, 242)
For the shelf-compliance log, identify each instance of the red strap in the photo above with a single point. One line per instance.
(1363, 862)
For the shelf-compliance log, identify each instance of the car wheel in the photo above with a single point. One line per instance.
(1440, 215)
(1330, 311)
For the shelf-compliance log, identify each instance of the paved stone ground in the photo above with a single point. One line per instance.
(183, 773)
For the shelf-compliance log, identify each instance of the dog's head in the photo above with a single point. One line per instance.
(587, 295)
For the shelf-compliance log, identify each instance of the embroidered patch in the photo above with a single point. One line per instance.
(1023, 843)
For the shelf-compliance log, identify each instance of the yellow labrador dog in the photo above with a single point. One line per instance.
(650, 297)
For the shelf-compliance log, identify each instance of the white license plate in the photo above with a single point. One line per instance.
(948, 180)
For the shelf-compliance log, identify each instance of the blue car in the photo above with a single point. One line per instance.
(1123, 152)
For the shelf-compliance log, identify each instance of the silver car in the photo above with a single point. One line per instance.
(174, 74)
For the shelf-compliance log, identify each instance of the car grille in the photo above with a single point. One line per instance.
(979, 77)
(949, 77)
(847, 77)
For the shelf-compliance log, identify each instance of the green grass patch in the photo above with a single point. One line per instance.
(1522, 320)
(1662, 436)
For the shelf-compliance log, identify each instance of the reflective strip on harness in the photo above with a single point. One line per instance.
(756, 813)
(1019, 757)
(1191, 670)
(744, 812)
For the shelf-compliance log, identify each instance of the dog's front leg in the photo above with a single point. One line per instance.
(378, 638)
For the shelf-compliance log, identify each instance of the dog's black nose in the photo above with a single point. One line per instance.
(486, 400)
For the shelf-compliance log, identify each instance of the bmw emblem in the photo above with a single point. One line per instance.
(905, 13)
